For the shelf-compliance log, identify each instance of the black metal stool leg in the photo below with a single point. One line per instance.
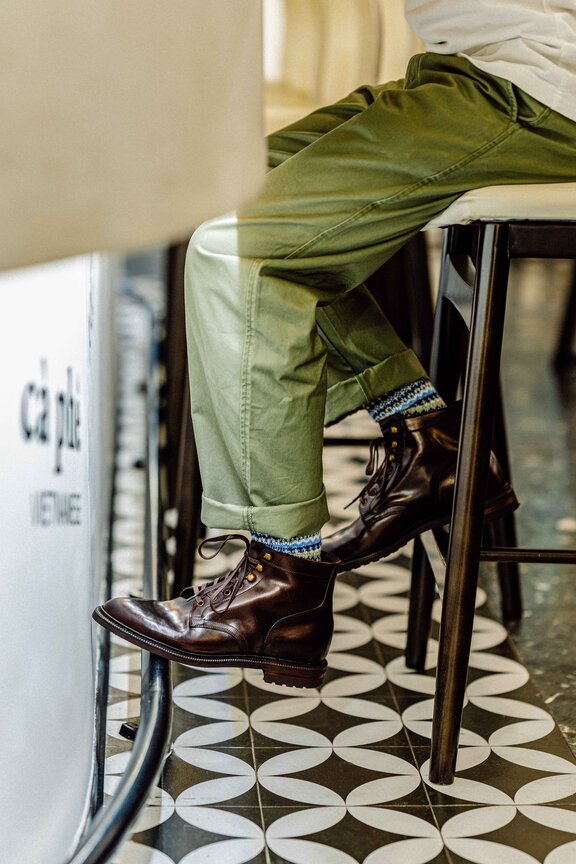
(468, 512)
(444, 372)
(419, 296)
(503, 532)
(564, 355)
(188, 497)
(447, 340)
(181, 462)
(422, 591)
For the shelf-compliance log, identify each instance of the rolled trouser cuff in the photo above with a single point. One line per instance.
(345, 397)
(280, 520)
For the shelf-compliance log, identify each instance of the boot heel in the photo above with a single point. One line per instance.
(501, 506)
(298, 676)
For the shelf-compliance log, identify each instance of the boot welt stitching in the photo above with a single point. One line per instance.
(253, 659)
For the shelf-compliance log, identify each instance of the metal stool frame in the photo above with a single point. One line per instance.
(492, 246)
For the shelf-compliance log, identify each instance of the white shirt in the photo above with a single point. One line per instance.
(532, 43)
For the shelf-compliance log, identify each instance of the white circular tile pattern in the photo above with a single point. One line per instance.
(225, 852)
(506, 768)
(137, 853)
(348, 693)
(565, 854)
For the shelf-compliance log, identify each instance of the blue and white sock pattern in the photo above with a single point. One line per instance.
(308, 546)
(420, 397)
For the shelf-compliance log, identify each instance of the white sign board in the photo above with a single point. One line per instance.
(47, 573)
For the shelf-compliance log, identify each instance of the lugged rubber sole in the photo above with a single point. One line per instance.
(276, 670)
(495, 509)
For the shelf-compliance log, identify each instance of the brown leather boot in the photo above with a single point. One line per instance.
(272, 612)
(412, 489)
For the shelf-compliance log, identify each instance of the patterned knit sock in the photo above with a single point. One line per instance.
(420, 397)
(308, 546)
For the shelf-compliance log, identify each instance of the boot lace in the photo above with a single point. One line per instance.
(381, 461)
(227, 585)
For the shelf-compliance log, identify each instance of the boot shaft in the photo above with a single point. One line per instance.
(421, 462)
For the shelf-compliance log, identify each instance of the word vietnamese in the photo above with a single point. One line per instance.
(56, 508)
(36, 408)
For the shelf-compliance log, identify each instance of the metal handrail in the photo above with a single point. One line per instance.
(107, 830)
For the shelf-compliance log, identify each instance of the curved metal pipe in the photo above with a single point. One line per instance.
(115, 819)
(106, 831)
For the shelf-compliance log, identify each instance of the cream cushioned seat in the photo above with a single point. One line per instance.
(511, 203)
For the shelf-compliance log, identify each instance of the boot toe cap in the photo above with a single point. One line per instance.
(127, 610)
(150, 618)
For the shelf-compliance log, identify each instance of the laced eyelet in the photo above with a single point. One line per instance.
(227, 592)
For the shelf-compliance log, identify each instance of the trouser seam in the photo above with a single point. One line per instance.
(412, 75)
(406, 191)
(245, 379)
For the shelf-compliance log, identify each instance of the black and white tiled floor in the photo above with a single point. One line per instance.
(259, 773)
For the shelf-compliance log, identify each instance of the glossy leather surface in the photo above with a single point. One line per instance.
(283, 610)
(413, 487)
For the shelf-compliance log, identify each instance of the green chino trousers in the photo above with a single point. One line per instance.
(282, 336)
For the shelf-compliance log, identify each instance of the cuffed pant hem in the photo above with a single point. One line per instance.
(345, 397)
(281, 520)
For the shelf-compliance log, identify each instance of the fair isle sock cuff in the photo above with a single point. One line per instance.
(431, 403)
(420, 397)
(308, 546)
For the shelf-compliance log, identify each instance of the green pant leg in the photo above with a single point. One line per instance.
(366, 357)
(282, 145)
(329, 215)
(360, 342)
(294, 138)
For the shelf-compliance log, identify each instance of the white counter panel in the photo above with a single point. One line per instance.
(56, 350)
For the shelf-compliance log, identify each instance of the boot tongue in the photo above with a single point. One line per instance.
(227, 585)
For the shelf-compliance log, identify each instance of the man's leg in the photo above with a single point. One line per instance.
(330, 214)
(222, 298)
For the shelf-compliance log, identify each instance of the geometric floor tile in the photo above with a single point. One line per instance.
(339, 775)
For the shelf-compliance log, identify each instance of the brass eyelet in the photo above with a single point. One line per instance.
(392, 457)
(259, 568)
(199, 602)
(227, 592)
(394, 445)
(394, 430)
(267, 556)
(250, 577)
